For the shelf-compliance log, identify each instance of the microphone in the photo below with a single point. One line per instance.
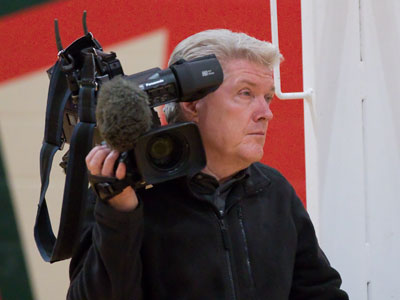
(122, 113)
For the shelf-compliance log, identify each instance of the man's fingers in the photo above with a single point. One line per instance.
(95, 164)
(101, 161)
(121, 171)
(109, 163)
(93, 152)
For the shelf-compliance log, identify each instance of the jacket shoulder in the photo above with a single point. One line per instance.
(271, 174)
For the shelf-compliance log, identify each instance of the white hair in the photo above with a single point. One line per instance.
(226, 45)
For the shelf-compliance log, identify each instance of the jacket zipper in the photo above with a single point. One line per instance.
(225, 240)
(246, 250)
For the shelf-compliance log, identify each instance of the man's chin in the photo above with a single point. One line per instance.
(254, 156)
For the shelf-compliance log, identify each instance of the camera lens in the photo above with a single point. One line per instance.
(165, 151)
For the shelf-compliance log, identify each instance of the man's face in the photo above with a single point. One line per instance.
(233, 120)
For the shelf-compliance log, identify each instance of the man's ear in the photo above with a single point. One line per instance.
(189, 110)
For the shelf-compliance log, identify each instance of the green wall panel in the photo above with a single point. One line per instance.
(14, 281)
(10, 6)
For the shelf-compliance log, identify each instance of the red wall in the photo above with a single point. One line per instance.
(27, 44)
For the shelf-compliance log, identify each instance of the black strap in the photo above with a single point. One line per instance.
(53, 249)
(44, 235)
(87, 99)
(75, 192)
(50, 248)
(57, 97)
(107, 187)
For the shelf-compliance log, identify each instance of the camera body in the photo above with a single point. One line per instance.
(164, 152)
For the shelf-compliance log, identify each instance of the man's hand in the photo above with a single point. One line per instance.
(100, 161)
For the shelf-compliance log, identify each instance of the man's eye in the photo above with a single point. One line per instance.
(268, 98)
(245, 93)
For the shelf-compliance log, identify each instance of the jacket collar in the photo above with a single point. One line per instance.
(256, 179)
(246, 182)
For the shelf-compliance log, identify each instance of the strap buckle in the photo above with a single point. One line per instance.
(107, 187)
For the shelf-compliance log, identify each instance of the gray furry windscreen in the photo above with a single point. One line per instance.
(122, 113)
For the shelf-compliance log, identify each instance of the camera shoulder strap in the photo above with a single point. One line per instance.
(54, 249)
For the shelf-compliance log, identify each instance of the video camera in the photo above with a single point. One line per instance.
(160, 153)
(164, 152)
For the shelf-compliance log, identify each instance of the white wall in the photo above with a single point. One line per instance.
(351, 50)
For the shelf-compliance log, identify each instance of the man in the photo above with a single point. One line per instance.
(236, 230)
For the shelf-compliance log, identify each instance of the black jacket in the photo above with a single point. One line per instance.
(177, 246)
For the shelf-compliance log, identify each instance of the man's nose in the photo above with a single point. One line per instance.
(263, 109)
